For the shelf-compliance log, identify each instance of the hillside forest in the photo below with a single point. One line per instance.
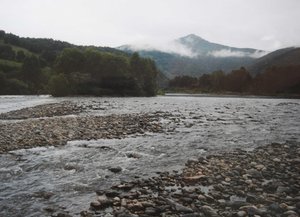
(43, 66)
(276, 80)
(47, 66)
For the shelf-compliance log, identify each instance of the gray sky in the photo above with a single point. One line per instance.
(262, 24)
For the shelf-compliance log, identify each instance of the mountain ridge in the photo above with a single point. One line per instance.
(193, 55)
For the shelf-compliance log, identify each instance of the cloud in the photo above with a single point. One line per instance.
(168, 47)
(230, 53)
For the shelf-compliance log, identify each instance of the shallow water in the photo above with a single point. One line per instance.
(66, 178)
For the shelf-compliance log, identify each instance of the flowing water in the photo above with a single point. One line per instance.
(38, 181)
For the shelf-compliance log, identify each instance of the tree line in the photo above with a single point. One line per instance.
(43, 66)
(274, 80)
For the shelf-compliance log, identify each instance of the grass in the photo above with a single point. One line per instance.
(10, 63)
(17, 48)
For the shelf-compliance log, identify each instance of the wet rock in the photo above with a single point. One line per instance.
(112, 194)
(282, 189)
(115, 169)
(232, 184)
(241, 213)
(192, 215)
(58, 130)
(151, 211)
(136, 206)
(290, 213)
(275, 208)
(209, 212)
(86, 214)
(254, 173)
(62, 215)
(193, 178)
(133, 155)
(178, 207)
(96, 205)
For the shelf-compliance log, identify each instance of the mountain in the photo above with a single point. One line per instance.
(202, 47)
(192, 55)
(280, 58)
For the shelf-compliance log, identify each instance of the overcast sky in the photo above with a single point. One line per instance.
(262, 24)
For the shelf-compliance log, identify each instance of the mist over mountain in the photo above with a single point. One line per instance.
(193, 55)
(285, 57)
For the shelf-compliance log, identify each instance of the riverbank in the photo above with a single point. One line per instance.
(54, 125)
(262, 182)
(62, 181)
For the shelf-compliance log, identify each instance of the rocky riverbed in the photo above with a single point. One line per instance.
(36, 129)
(262, 182)
(46, 110)
(123, 153)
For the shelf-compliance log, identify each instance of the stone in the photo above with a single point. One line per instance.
(115, 169)
(254, 173)
(277, 160)
(150, 211)
(209, 212)
(241, 213)
(96, 204)
(63, 215)
(193, 178)
(290, 213)
(178, 207)
(282, 189)
(112, 194)
(227, 179)
(191, 215)
(137, 206)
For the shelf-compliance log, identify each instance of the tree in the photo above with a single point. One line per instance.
(150, 74)
(31, 69)
(17, 87)
(238, 80)
(2, 82)
(6, 52)
(217, 80)
(205, 82)
(70, 60)
(59, 85)
(20, 56)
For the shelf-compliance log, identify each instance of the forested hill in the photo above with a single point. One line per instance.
(43, 66)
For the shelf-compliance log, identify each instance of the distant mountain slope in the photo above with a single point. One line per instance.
(193, 55)
(201, 46)
(283, 57)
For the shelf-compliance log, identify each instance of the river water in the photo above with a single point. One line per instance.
(43, 181)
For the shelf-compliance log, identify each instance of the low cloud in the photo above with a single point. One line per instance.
(230, 53)
(168, 47)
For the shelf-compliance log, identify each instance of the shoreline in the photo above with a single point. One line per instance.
(53, 125)
(228, 95)
(262, 182)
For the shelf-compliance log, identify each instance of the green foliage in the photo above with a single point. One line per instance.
(9, 65)
(2, 81)
(6, 52)
(273, 81)
(59, 85)
(16, 87)
(238, 80)
(20, 56)
(98, 73)
(31, 72)
(70, 60)
(35, 65)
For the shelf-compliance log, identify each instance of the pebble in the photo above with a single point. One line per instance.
(231, 185)
(58, 130)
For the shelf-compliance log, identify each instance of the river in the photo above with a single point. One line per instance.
(41, 181)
